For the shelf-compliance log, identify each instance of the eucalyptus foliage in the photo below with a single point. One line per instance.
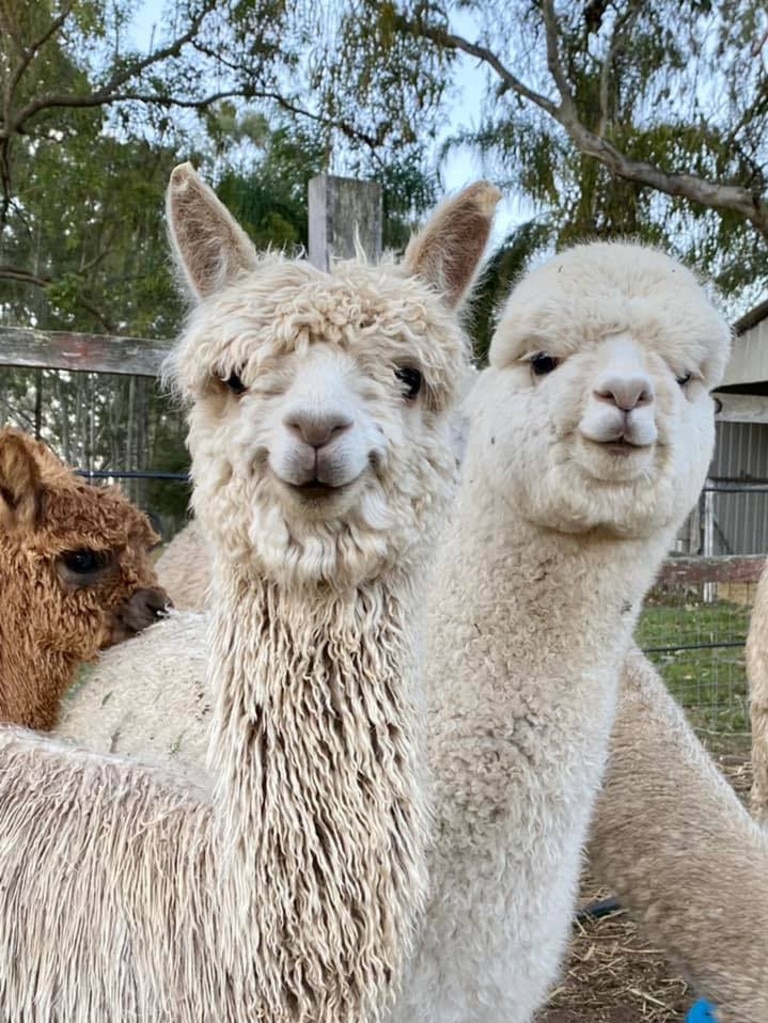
(609, 118)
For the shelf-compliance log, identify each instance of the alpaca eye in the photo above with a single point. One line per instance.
(85, 561)
(541, 364)
(684, 379)
(411, 379)
(234, 383)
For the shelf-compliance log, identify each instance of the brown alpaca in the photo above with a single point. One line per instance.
(75, 577)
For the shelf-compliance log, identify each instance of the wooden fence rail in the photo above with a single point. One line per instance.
(341, 211)
(693, 571)
(96, 353)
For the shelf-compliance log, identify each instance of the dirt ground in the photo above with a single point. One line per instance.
(612, 974)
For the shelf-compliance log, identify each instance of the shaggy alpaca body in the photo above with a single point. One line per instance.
(671, 837)
(184, 568)
(155, 705)
(321, 461)
(757, 673)
(557, 536)
(75, 576)
(667, 832)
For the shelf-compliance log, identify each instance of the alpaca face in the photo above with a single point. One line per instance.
(604, 359)
(77, 555)
(320, 431)
(321, 402)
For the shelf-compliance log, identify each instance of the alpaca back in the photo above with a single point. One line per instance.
(184, 569)
(147, 699)
(673, 840)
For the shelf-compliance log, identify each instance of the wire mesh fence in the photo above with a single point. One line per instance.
(695, 620)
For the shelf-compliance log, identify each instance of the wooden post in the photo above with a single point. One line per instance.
(340, 209)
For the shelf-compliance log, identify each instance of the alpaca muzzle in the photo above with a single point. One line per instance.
(134, 615)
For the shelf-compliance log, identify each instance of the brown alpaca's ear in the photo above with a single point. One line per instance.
(448, 249)
(209, 246)
(21, 492)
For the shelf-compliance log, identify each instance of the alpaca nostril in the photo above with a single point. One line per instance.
(626, 393)
(317, 430)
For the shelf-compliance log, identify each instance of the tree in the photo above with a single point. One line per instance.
(612, 116)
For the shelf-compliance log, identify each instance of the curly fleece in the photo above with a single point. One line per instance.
(47, 627)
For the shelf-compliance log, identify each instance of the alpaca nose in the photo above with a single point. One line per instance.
(317, 429)
(627, 391)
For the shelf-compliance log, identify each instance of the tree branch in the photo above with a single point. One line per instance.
(109, 92)
(690, 186)
(567, 104)
(624, 21)
(26, 277)
(34, 48)
(448, 40)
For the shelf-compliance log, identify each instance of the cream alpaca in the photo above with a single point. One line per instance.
(321, 461)
(670, 836)
(75, 576)
(590, 437)
(757, 673)
(184, 568)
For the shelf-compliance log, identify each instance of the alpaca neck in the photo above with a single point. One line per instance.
(318, 766)
(528, 629)
(552, 588)
(536, 624)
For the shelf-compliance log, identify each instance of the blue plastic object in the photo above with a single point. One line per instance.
(701, 1012)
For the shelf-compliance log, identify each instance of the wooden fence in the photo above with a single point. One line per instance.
(342, 211)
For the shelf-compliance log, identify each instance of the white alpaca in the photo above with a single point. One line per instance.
(590, 437)
(757, 673)
(671, 837)
(322, 463)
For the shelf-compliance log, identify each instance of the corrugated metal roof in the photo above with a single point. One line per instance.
(751, 318)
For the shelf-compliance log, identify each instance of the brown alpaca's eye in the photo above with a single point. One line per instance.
(85, 561)
(541, 364)
(411, 379)
(234, 383)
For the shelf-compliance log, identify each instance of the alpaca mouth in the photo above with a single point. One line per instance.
(620, 447)
(317, 490)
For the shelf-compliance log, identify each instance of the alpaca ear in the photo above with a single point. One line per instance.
(209, 246)
(448, 249)
(21, 491)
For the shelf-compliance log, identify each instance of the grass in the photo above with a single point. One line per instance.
(681, 637)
